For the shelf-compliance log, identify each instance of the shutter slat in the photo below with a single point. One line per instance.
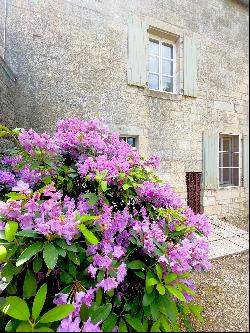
(210, 160)
(190, 67)
(246, 160)
(137, 51)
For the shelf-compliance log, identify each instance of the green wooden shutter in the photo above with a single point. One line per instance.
(246, 160)
(190, 67)
(137, 51)
(210, 160)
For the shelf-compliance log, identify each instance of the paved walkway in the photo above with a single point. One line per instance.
(227, 239)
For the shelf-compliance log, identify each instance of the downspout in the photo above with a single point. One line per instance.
(4, 27)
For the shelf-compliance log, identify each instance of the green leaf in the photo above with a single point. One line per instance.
(135, 323)
(2, 133)
(37, 264)
(16, 307)
(158, 271)
(148, 299)
(12, 325)
(84, 312)
(126, 186)
(176, 293)
(64, 245)
(74, 257)
(43, 329)
(89, 236)
(98, 296)
(165, 324)
(140, 274)
(171, 277)
(196, 310)
(10, 230)
(29, 252)
(3, 253)
(151, 282)
(136, 264)
(168, 307)
(101, 313)
(24, 327)
(29, 285)
(156, 326)
(85, 218)
(57, 313)
(154, 310)
(15, 196)
(122, 326)
(184, 287)
(66, 277)
(39, 301)
(28, 233)
(50, 255)
(104, 185)
(109, 323)
(47, 180)
(160, 288)
(8, 270)
(93, 198)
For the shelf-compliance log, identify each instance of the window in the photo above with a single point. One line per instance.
(229, 167)
(131, 140)
(162, 63)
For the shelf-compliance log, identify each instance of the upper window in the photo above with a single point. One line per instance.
(229, 167)
(162, 63)
(131, 140)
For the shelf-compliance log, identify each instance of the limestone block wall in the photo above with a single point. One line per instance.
(7, 95)
(70, 57)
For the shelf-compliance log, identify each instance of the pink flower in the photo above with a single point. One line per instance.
(22, 187)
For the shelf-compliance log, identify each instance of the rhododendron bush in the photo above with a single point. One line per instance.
(91, 239)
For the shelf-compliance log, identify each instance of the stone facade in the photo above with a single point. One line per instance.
(70, 57)
(7, 94)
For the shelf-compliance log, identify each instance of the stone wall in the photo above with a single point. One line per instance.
(70, 58)
(7, 95)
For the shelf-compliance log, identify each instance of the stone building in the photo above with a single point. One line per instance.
(171, 76)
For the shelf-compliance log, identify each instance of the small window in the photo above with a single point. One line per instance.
(131, 140)
(229, 160)
(161, 65)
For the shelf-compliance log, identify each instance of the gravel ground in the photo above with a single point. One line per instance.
(224, 294)
(241, 222)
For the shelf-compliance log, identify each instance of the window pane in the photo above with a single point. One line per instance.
(154, 64)
(235, 177)
(226, 160)
(235, 159)
(131, 141)
(220, 143)
(167, 51)
(167, 84)
(153, 47)
(235, 140)
(153, 81)
(220, 176)
(167, 67)
(226, 176)
(226, 144)
(123, 138)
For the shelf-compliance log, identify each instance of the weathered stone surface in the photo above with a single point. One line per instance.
(70, 58)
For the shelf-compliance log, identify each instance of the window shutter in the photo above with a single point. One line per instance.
(190, 67)
(210, 160)
(246, 160)
(137, 51)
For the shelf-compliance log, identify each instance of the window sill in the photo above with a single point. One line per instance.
(229, 186)
(162, 95)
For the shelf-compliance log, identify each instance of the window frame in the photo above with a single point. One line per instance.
(240, 158)
(161, 58)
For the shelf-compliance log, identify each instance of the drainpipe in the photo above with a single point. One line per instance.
(4, 27)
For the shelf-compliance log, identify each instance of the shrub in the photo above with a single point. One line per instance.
(91, 239)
